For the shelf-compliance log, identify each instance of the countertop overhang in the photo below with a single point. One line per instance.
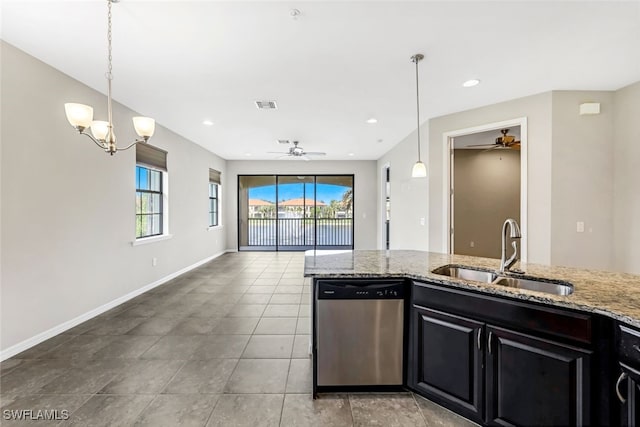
(616, 295)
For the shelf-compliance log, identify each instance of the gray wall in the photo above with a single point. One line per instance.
(68, 208)
(364, 172)
(487, 190)
(408, 196)
(582, 180)
(537, 109)
(580, 168)
(626, 178)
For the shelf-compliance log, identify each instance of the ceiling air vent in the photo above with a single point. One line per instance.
(283, 141)
(266, 105)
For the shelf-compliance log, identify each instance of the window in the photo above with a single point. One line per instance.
(151, 191)
(148, 202)
(214, 198)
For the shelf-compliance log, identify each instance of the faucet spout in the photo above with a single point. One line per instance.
(514, 233)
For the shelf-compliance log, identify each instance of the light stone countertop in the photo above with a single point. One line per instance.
(616, 295)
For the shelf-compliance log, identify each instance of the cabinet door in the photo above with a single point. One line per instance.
(535, 382)
(447, 365)
(628, 391)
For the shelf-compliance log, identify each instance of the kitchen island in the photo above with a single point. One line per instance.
(501, 355)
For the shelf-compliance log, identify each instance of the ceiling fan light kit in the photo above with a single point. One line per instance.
(419, 169)
(80, 116)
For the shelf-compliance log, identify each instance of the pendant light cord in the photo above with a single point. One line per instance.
(416, 59)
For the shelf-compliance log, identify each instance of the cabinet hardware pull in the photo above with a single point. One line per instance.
(489, 341)
(479, 336)
(620, 379)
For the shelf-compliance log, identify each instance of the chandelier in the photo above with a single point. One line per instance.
(80, 116)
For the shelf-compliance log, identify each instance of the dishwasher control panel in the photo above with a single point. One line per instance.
(360, 289)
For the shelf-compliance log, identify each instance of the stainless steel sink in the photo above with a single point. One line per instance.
(549, 286)
(556, 287)
(467, 273)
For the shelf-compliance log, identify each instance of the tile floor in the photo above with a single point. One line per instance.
(223, 345)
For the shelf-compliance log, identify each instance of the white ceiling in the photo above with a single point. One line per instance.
(335, 66)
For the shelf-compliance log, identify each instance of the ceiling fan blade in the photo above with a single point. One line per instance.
(285, 155)
(276, 152)
(484, 145)
(305, 158)
(314, 153)
(493, 148)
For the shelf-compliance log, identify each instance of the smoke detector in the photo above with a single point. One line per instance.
(283, 141)
(266, 105)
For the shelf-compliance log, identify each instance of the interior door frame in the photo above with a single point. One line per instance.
(448, 188)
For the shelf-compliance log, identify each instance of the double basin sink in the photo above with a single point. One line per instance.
(556, 287)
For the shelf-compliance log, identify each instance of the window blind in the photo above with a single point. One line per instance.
(214, 176)
(149, 155)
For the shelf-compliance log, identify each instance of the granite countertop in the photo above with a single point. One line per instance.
(616, 295)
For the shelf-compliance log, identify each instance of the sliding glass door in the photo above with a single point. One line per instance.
(294, 212)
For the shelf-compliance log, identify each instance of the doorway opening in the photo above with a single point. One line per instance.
(485, 171)
(293, 212)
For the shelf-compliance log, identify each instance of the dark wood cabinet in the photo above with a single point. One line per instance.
(448, 364)
(535, 382)
(628, 391)
(499, 370)
(627, 386)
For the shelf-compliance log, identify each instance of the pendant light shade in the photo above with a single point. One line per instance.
(419, 169)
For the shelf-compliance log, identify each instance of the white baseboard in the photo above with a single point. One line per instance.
(43, 336)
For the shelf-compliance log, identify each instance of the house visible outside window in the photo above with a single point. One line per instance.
(151, 191)
(214, 198)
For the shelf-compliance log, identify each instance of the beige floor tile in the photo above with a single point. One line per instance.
(301, 410)
(247, 410)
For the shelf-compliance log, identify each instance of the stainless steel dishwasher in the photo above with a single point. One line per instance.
(360, 332)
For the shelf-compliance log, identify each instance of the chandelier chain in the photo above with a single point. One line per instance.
(110, 57)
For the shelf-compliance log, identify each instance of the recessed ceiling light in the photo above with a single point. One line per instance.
(247, 154)
(471, 83)
(372, 120)
(351, 154)
(207, 122)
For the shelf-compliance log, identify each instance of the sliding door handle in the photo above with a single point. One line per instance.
(489, 341)
(479, 339)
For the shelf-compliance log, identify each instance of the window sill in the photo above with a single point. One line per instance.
(152, 239)
(215, 227)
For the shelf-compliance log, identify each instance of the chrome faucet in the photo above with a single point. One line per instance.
(505, 263)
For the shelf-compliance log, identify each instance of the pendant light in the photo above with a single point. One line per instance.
(419, 169)
(80, 116)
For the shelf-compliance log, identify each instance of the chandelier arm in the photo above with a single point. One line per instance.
(98, 143)
(137, 141)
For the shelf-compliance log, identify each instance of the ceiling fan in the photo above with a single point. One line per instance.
(504, 141)
(297, 151)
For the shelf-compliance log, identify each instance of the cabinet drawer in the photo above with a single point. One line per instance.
(505, 312)
(629, 345)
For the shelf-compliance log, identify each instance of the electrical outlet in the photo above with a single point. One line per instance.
(580, 227)
(422, 221)
(154, 261)
(472, 244)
